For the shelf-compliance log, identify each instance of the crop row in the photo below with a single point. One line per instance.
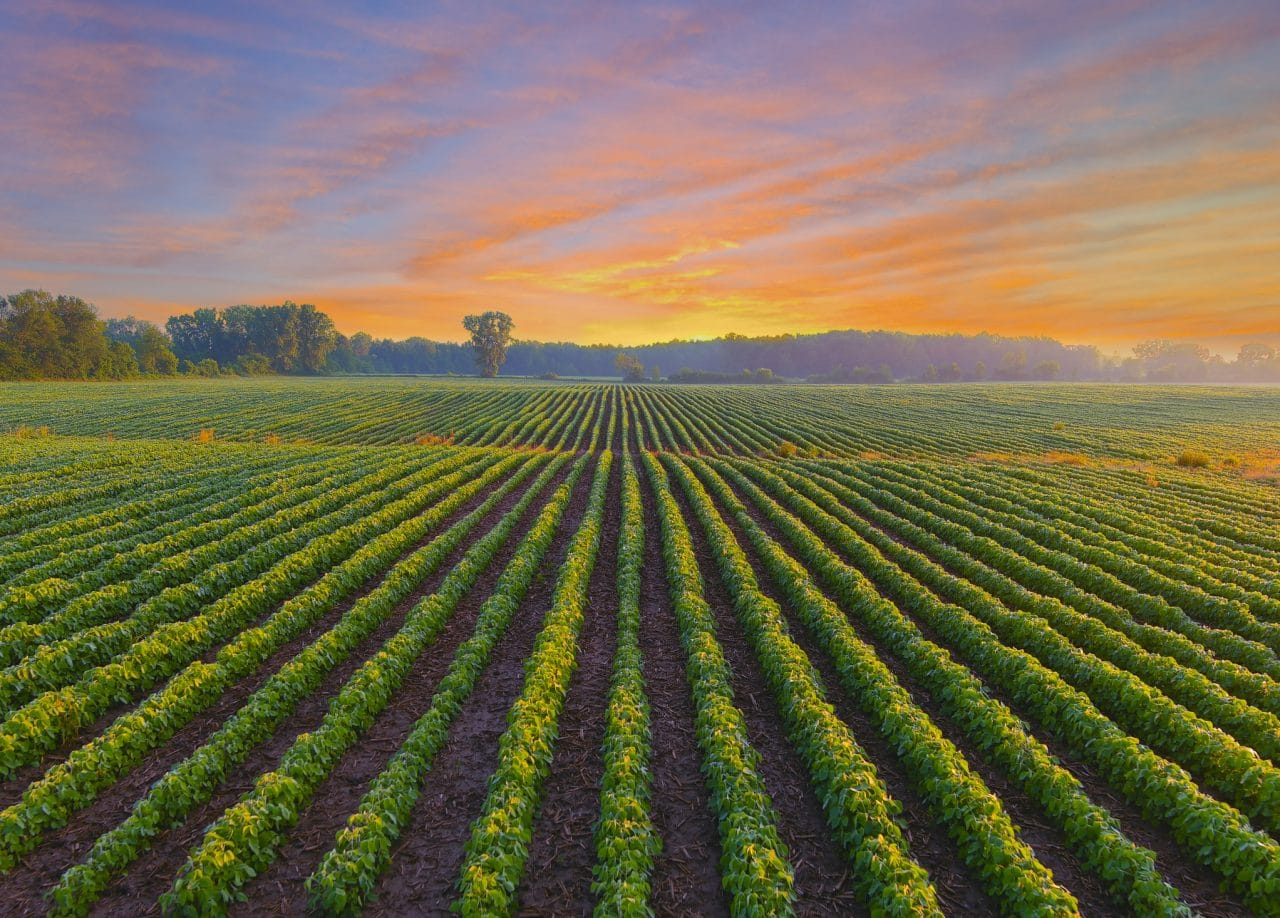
(754, 866)
(192, 781)
(75, 782)
(1209, 831)
(904, 421)
(246, 837)
(59, 714)
(498, 848)
(625, 837)
(957, 798)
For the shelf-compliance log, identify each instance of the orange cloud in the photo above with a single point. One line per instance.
(1100, 174)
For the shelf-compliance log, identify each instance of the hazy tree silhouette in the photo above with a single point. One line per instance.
(630, 367)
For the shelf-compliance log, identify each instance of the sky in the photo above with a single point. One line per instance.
(1099, 171)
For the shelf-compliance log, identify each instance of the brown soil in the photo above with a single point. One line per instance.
(153, 872)
(12, 789)
(823, 881)
(428, 855)
(616, 407)
(557, 877)
(1197, 884)
(958, 890)
(686, 877)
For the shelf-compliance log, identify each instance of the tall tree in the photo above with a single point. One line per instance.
(490, 337)
(317, 338)
(1254, 353)
(197, 336)
(48, 337)
(1013, 364)
(1173, 361)
(1257, 361)
(150, 345)
(630, 366)
(153, 352)
(121, 361)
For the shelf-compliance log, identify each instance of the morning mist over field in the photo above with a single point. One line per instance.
(1099, 172)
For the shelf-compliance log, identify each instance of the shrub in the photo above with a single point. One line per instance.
(1193, 459)
(208, 368)
(252, 365)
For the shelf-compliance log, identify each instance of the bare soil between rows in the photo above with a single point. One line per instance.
(823, 880)
(427, 857)
(1197, 885)
(152, 874)
(558, 876)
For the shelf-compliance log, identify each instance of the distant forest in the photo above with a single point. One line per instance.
(43, 336)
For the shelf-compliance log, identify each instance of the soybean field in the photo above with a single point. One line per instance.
(412, 646)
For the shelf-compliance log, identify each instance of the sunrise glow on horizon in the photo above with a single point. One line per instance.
(1097, 172)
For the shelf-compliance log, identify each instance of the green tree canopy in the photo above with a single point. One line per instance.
(286, 338)
(43, 336)
(151, 346)
(490, 337)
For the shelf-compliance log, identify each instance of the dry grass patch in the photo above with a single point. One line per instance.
(1057, 457)
(1261, 468)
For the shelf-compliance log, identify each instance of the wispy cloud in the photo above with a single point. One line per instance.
(1098, 171)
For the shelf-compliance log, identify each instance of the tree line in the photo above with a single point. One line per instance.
(43, 336)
